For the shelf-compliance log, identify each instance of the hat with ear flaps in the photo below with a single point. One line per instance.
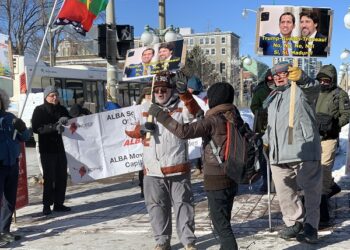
(163, 79)
(220, 93)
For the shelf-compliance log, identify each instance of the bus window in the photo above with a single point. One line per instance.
(91, 95)
(7, 85)
(73, 91)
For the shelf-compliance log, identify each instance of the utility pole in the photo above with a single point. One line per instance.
(161, 14)
(111, 48)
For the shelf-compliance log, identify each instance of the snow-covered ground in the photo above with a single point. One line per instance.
(340, 159)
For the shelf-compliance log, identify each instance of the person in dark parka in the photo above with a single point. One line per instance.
(47, 121)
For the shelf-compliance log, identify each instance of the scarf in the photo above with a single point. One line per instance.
(273, 94)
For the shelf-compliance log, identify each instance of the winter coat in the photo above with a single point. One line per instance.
(333, 102)
(306, 140)
(164, 154)
(44, 123)
(212, 127)
(260, 115)
(9, 148)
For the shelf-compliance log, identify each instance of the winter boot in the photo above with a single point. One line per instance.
(290, 232)
(334, 190)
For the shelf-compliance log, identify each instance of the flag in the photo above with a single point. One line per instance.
(80, 13)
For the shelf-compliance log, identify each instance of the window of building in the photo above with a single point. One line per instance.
(201, 41)
(223, 51)
(207, 51)
(213, 51)
(207, 40)
(223, 39)
(191, 41)
(212, 40)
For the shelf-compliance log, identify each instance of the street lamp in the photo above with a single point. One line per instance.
(347, 19)
(152, 36)
(245, 12)
(240, 62)
(344, 74)
(345, 54)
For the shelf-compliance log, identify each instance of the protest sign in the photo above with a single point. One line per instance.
(97, 147)
(144, 62)
(293, 31)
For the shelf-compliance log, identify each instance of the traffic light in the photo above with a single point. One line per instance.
(125, 42)
(102, 40)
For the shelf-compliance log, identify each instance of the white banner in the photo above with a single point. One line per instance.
(97, 147)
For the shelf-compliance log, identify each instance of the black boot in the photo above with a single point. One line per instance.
(334, 190)
(324, 213)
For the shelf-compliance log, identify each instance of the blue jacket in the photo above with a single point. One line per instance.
(9, 148)
(273, 45)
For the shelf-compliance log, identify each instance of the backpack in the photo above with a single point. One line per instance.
(241, 156)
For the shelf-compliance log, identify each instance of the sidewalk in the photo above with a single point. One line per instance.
(110, 214)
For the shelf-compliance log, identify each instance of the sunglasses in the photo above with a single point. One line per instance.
(325, 81)
(280, 74)
(160, 90)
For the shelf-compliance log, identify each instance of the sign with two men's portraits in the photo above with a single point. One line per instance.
(293, 31)
(144, 62)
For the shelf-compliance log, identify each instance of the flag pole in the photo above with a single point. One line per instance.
(36, 64)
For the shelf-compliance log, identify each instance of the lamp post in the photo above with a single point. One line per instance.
(152, 35)
(243, 60)
(345, 68)
(245, 12)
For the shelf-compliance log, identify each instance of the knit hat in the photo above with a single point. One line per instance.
(220, 93)
(195, 84)
(163, 79)
(50, 89)
(280, 67)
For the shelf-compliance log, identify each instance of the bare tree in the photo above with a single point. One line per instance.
(22, 19)
(197, 64)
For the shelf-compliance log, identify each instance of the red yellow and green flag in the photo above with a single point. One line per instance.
(80, 13)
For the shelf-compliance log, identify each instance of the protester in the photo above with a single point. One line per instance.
(9, 153)
(47, 121)
(111, 102)
(295, 164)
(261, 91)
(333, 112)
(166, 167)
(220, 189)
(145, 101)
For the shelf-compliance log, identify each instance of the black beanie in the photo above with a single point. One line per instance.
(220, 93)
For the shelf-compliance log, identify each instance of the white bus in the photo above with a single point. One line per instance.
(74, 82)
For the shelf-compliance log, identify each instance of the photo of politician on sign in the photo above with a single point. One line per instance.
(147, 61)
(292, 31)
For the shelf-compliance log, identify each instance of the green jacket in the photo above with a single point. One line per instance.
(334, 102)
(260, 115)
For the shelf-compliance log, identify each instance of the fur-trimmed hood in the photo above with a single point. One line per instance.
(4, 99)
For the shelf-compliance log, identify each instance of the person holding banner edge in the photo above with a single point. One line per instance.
(166, 166)
(9, 168)
(47, 121)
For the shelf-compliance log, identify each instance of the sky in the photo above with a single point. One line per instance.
(206, 15)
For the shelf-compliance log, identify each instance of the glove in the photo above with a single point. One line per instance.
(148, 127)
(294, 73)
(19, 125)
(181, 82)
(60, 128)
(63, 120)
(154, 110)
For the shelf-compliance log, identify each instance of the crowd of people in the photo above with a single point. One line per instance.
(301, 169)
